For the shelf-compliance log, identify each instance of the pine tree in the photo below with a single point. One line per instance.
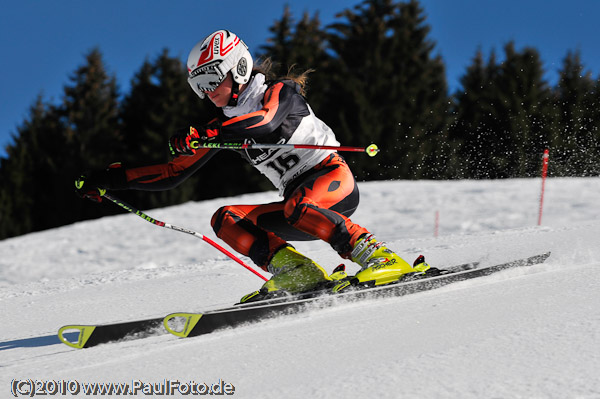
(298, 47)
(594, 115)
(91, 112)
(500, 112)
(279, 47)
(524, 102)
(469, 129)
(388, 88)
(90, 116)
(18, 189)
(576, 142)
(36, 191)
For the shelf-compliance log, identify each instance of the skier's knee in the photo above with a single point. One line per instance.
(218, 217)
(294, 208)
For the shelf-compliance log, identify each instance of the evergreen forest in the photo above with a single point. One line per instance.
(377, 79)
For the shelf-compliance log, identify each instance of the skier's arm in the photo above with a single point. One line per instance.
(169, 175)
(280, 101)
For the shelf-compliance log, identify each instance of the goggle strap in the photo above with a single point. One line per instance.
(235, 89)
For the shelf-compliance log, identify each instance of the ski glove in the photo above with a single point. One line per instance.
(186, 142)
(93, 185)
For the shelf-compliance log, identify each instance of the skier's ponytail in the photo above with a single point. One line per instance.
(266, 66)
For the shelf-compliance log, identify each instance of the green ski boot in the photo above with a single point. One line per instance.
(380, 265)
(292, 273)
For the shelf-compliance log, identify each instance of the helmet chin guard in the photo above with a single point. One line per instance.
(213, 57)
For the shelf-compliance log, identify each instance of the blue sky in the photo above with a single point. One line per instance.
(43, 42)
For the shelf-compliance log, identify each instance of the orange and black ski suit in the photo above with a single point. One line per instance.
(316, 203)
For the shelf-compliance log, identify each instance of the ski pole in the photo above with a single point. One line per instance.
(150, 219)
(371, 150)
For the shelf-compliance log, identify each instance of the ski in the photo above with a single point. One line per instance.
(86, 336)
(194, 324)
(188, 324)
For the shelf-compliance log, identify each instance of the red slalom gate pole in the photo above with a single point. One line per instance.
(544, 174)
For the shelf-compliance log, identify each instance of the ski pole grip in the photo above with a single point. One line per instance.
(372, 150)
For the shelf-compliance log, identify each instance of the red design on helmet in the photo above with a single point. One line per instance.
(213, 57)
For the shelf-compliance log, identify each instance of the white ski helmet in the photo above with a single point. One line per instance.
(213, 57)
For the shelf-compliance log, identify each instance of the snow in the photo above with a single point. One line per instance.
(522, 333)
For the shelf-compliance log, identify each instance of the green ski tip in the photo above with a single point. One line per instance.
(85, 332)
(191, 319)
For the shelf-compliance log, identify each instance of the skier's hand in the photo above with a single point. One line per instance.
(93, 185)
(179, 143)
(186, 142)
(88, 190)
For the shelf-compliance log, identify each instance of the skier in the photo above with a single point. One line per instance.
(318, 189)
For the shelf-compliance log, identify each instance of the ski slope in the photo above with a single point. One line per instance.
(522, 333)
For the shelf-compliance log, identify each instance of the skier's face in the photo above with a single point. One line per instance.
(221, 95)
